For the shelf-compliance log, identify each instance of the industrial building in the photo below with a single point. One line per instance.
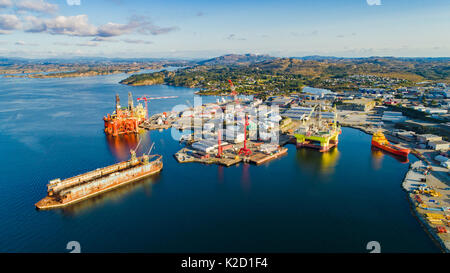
(428, 138)
(364, 105)
(298, 113)
(393, 116)
(439, 145)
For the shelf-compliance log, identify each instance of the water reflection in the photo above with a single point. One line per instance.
(245, 179)
(377, 158)
(317, 162)
(378, 154)
(120, 146)
(111, 196)
(220, 171)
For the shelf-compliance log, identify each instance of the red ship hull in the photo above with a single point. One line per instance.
(392, 149)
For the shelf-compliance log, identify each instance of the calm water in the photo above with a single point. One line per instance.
(303, 202)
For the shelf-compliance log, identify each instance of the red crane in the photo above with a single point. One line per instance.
(244, 150)
(219, 144)
(233, 90)
(146, 99)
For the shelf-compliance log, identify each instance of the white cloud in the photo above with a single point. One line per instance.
(156, 30)
(79, 26)
(66, 25)
(36, 6)
(5, 3)
(88, 43)
(9, 22)
(103, 39)
(137, 42)
(113, 29)
(140, 24)
(144, 26)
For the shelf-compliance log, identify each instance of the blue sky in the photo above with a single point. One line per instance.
(202, 29)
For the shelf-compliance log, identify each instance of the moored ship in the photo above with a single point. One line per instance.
(380, 141)
(61, 193)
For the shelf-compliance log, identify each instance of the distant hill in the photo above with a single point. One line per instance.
(410, 59)
(89, 60)
(414, 69)
(236, 59)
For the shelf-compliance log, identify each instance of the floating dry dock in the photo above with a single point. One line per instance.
(61, 193)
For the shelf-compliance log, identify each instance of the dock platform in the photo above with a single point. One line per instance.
(259, 158)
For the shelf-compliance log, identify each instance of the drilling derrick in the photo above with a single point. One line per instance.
(130, 102)
(117, 104)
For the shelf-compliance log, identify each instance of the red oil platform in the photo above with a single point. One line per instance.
(124, 120)
(244, 150)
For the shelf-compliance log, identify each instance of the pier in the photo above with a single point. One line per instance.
(230, 156)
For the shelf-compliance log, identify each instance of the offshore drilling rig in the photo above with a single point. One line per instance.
(124, 120)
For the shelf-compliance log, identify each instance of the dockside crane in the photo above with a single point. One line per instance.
(146, 99)
(219, 144)
(233, 91)
(308, 117)
(245, 150)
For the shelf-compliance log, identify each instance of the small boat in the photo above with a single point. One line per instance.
(380, 141)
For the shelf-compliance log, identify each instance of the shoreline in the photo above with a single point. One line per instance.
(431, 231)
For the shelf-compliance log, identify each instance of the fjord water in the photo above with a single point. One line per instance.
(302, 202)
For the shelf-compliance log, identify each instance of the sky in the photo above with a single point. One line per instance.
(205, 29)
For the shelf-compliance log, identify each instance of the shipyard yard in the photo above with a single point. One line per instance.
(270, 179)
(298, 118)
(228, 132)
(236, 156)
(225, 135)
(234, 130)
